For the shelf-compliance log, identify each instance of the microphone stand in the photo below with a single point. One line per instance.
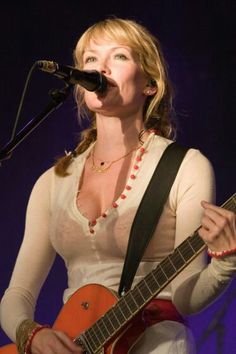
(58, 96)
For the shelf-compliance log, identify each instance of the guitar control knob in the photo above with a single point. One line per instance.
(85, 305)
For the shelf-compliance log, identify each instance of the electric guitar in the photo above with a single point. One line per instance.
(101, 322)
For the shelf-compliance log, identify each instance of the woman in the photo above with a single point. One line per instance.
(84, 207)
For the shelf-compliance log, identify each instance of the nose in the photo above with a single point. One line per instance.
(103, 67)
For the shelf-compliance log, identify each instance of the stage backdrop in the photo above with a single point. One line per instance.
(198, 39)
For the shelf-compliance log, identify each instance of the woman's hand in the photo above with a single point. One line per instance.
(49, 341)
(218, 228)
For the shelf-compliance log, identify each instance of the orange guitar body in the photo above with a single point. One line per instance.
(84, 308)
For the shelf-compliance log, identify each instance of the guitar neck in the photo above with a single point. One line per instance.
(137, 298)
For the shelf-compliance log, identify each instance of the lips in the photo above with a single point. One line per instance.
(111, 83)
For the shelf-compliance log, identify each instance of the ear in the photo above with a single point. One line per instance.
(150, 88)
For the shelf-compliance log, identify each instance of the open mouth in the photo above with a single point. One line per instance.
(111, 83)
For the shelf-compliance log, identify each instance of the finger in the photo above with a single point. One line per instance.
(68, 342)
(213, 226)
(207, 223)
(215, 219)
(218, 231)
(204, 234)
(219, 210)
(53, 342)
(210, 234)
(48, 342)
(225, 224)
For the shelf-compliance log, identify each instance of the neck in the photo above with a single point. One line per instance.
(116, 137)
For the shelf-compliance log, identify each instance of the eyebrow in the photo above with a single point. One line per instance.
(112, 49)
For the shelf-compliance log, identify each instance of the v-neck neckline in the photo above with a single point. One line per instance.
(130, 183)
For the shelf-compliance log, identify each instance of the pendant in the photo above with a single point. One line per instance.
(97, 169)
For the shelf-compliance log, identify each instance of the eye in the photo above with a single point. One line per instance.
(121, 56)
(89, 60)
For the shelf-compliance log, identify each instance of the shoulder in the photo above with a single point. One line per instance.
(51, 182)
(195, 175)
(49, 178)
(196, 163)
(195, 178)
(45, 179)
(48, 186)
(194, 158)
(41, 190)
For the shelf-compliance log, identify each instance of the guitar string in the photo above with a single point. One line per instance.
(152, 282)
(142, 286)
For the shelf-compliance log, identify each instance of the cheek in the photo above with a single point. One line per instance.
(89, 98)
(132, 80)
(93, 101)
(134, 87)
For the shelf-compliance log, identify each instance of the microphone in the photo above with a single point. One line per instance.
(91, 80)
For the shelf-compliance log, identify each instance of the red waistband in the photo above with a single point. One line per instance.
(156, 311)
(160, 310)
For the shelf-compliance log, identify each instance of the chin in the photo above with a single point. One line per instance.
(102, 104)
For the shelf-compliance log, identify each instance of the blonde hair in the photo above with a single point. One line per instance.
(157, 109)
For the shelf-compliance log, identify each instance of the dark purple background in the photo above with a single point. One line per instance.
(198, 39)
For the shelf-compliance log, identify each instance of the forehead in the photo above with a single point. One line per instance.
(104, 45)
(100, 36)
(102, 40)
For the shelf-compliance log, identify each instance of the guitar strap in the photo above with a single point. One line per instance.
(149, 211)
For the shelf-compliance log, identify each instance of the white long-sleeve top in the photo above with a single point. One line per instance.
(95, 254)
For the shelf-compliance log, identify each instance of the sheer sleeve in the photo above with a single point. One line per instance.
(34, 260)
(199, 283)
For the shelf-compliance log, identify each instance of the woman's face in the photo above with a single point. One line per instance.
(127, 84)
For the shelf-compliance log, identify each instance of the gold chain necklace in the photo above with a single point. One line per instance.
(101, 169)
